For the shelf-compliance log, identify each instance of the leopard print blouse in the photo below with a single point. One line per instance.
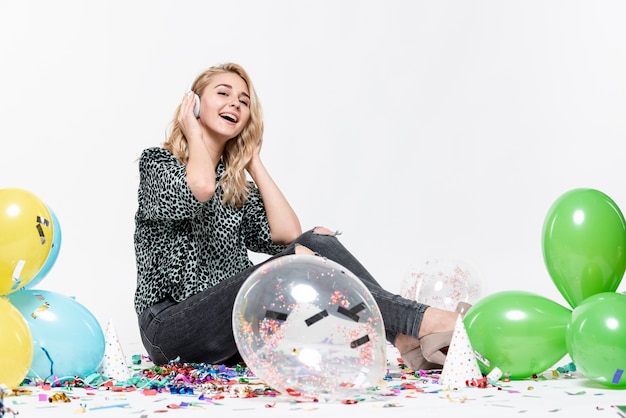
(183, 246)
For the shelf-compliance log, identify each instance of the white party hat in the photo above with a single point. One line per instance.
(113, 363)
(460, 366)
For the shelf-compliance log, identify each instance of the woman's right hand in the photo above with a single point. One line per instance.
(200, 171)
(189, 124)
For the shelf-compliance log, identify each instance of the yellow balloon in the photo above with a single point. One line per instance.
(16, 345)
(25, 238)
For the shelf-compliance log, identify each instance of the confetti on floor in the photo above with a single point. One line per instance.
(189, 389)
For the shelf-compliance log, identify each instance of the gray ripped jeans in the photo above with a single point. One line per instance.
(199, 329)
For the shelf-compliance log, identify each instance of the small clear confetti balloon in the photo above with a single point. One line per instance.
(442, 283)
(305, 325)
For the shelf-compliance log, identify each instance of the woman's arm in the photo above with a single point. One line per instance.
(201, 164)
(283, 221)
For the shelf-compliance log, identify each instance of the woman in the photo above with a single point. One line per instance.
(198, 215)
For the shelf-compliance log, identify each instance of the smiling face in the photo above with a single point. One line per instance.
(225, 106)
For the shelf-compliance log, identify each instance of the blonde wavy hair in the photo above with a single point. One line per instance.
(238, 150)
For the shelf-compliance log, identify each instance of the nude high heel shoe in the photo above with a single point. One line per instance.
(414, 360)
(435, 346)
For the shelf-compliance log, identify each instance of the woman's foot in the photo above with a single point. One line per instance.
(435, 345)
(435, 334)
(414, 360)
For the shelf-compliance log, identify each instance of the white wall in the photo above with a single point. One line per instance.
(418, 128)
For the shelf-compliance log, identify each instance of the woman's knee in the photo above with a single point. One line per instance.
(318, 240)
(301, 249)
(312, 234)
(322, 230)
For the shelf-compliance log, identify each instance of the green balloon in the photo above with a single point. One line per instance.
(596, 339)
(584, 244)
(518, 332)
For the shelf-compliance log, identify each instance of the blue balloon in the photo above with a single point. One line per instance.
(57, 237)
(68, 340)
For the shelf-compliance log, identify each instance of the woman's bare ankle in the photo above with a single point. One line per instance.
(405, 343)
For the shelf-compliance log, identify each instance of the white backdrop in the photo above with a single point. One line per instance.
(420, 129)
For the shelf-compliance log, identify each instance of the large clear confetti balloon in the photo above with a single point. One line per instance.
(305, 325)
(442, 283)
